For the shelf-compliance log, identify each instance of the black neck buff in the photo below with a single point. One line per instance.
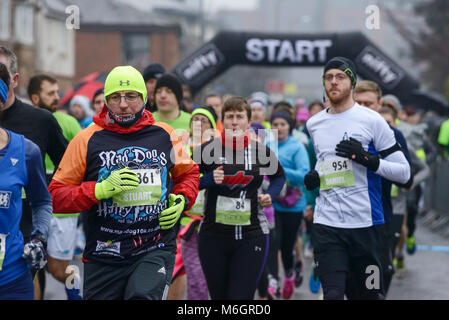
(128, 121)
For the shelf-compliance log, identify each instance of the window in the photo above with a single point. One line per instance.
(136, 50)
(5, 10)
(23, 24)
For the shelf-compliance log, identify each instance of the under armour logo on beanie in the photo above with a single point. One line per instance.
(344, 64)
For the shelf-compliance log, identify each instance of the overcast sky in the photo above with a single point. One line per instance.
(214, 5)
(209, 6)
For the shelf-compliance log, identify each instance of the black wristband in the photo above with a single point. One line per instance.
(186, 202)
(387, 152)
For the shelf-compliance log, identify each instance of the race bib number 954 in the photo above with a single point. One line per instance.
(336, 172)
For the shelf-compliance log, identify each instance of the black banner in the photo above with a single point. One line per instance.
(300, 50)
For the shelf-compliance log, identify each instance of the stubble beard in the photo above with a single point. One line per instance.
(52, 108)
(344, 94)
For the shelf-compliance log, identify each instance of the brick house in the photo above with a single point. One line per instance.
(113, 33)
(110, 33)
(38, 36)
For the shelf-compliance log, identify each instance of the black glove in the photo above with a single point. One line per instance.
(312, 180)
(353, 149)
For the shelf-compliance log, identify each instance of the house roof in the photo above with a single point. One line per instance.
(106, 14)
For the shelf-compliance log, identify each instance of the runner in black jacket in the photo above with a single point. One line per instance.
(233, 235)
(35, 124)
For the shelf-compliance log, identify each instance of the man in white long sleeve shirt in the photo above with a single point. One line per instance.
(355, 147)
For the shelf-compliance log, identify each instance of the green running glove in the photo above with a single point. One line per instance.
(118, 181)
(169, 216)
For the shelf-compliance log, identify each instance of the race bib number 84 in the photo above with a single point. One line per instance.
(233, 211)
(336, 172)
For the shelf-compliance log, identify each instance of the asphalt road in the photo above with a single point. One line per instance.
(425, 279)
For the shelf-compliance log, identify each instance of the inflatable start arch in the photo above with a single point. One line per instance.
(297, 50)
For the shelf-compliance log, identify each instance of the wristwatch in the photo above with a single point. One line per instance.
(186, 202)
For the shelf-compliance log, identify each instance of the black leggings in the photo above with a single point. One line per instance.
(232, 267)
(412, 210)
(395, 230)
(386, 256)
(309, 226)
(286, 234)
(334, 285)
(337, 284)
(262, 288)
(350, 261)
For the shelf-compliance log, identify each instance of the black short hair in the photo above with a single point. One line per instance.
(34, 86)
(4, 74)
(98, 92)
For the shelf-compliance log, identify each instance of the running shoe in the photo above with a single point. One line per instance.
(273, 288)
(314, 282)
(298, 274)
(308, 251)
(411, 245)
(278, 293)
(399, 264)
(78, 251)
(289, 285)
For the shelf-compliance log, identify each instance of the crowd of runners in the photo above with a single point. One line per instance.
(167, 197)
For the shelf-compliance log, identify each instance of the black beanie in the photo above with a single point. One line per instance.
(283, 115)
(172, 82)
(153, 70)
(343, 64)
